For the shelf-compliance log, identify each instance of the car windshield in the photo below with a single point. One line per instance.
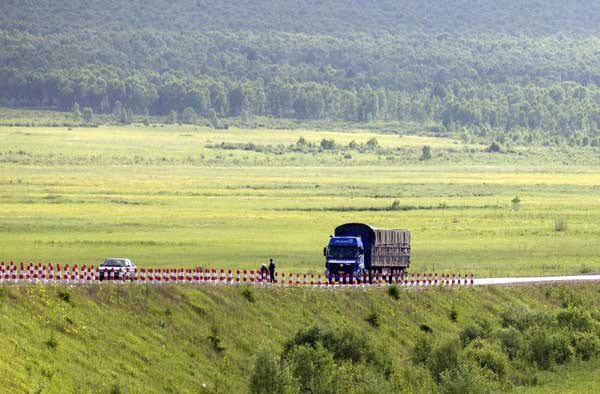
(114, 263)
(343, 252)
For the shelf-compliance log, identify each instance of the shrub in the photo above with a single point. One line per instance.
(464, 379)
(51, 342)
(65, 295)
(374, 319)
(545, 350)
(271, 376)
(215, 339)
(516, 203)
(422, 350)
(444, 357)
(586, 346)
(453, 314)
(189, 115)
(488, 357)
(494, 147)
(412, 379)
(522, 318)
(470, 333)
(327, 144)
(511, 341)
(394, 292)
(372, 144)
(248, 295)
(345, 346)
(577, 319)
(314, 369)
(560, 224)
(426, 153)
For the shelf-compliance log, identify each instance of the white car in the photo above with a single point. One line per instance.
(117, 266)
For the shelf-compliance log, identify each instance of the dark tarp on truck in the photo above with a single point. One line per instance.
(384, 249)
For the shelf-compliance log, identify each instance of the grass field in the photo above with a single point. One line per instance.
(120, 339)
(177, 196)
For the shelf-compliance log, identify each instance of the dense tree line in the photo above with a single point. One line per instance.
(524, 88)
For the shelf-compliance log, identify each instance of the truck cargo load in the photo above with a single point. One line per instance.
(384, 249)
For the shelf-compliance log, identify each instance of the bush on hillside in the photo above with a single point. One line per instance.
(464, 379)
(271, 376)
(511, 340)
(489, 357)
(445, 356)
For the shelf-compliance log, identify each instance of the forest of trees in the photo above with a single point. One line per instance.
(526, 71)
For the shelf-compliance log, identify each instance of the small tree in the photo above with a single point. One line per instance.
(213, 119)
(117, 109)
(372, 144)
(560, 224)
(495, 148)
(172, 118)
(146, 118)
(189, 115)
(516, 203)
(88, 115)
(76, 113)
(426, 153)
(271, 376)
(327, 144)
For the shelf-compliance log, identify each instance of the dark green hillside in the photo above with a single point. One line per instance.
(518, 72)
(336, 16)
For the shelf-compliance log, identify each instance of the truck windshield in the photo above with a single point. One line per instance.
(343, 252)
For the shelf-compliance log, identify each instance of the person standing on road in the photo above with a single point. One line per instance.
(272, 270)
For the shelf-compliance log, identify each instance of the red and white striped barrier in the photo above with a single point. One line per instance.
(30, 274)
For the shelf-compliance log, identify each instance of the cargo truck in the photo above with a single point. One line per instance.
(357, 249)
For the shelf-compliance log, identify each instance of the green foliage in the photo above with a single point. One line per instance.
(51, 342)
(189, 115)
(314, 369)
(215, 339)
(516, 203)
(495, 148)
(271, 376)
(172, 118)
(248, 295)
(422, 350)
(586, 345)
(372, 144)
(445, 356)
(575, 319)
(545, 349)
(511, 340)
(76, 113)
(213, 118)
(317, 62)
(453, 314)
(394, 292)
(560, 224)
(463, 378)
(426, 153)
(489, 357)
(88, 115)
(327, 144)
(374, 319)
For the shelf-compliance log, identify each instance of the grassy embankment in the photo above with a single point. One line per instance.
(167, 196)
(117, 339)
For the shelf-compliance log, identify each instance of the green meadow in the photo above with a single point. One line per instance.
(177, 195)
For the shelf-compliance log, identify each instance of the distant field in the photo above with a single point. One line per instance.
(176, 196)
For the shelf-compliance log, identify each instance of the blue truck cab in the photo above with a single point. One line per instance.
(344, 255)
(357, 249)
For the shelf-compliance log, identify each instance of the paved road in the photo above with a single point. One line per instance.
(536, 279)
